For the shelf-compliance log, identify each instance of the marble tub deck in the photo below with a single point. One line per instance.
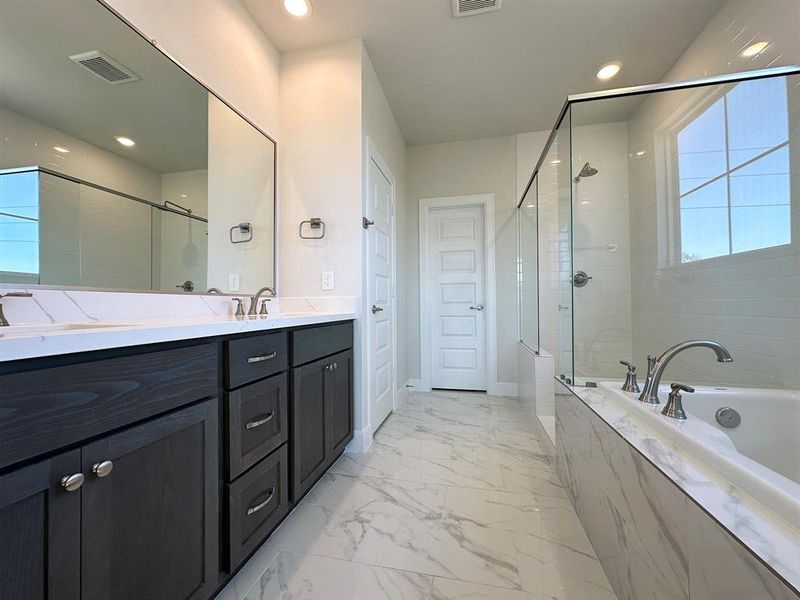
(454, 501)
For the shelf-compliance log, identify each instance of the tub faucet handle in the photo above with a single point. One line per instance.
(674, 407)
(239, 307)
(630, 384)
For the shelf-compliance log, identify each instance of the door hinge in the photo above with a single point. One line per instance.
(365, 222)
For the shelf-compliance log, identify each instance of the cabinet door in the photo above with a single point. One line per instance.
(40, 536)
(339, 402)
(308, 449)
(150, 526)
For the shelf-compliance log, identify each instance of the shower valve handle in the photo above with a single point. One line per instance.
(580, 278)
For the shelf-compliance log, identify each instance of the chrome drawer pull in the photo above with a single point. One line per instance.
(259, 422)
(258, 507)
(255, 359)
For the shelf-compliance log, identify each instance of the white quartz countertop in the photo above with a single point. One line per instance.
(53, 322)
(98, 336)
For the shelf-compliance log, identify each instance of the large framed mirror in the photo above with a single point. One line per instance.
(118, 169)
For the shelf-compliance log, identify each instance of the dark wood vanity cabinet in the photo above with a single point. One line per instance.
(154, 473)
(321, 403)
(40, 530)
(142, 524)
(149, 526)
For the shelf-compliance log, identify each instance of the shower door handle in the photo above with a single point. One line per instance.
(580, 279)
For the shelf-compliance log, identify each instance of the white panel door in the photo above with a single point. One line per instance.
(457, 296)
(381, 301)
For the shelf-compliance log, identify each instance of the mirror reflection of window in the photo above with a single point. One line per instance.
(19, 227)
(733, 165)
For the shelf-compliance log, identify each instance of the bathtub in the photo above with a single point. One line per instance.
(761, 456)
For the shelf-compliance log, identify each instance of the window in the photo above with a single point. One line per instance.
(733, 171)
(19, 223)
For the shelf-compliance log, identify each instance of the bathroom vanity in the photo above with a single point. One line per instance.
(154, 471)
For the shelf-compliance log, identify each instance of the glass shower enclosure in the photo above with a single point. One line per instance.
(664, 213)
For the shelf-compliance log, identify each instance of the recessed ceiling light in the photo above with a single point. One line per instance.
(61, 149)
(608, 71)
(555, 162)
(125, 141)
(530, 206)
(754, 49)
(297, 8)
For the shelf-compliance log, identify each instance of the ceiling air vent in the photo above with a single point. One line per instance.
(104, 67)
(465, 8)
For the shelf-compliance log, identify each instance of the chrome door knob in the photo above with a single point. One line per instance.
(477, 307)
(103, 469)
(376, 309)
(72, 482)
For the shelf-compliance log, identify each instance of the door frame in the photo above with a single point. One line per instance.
(425, 207)
(373, 154)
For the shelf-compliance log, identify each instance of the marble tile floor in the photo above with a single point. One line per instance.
(454, 501)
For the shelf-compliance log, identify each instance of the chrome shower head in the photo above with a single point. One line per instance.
(586, 171)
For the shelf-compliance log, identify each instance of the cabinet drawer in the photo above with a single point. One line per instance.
(256, 420)
(257, 502)
(44, 409)
(316, 342)
(252, 358)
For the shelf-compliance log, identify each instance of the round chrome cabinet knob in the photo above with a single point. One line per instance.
(103, 469)
(72, 482)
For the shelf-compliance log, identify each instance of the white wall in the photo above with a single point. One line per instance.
(382, 130)
(187, 188)
(207, 38)
(240, 190)
(455, 169)
(320, 168)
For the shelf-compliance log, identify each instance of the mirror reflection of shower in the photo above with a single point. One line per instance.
(586, 171)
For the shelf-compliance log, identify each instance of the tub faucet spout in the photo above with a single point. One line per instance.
(656, 366)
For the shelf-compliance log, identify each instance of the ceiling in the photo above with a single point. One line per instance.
(166, 112)
(498, 73)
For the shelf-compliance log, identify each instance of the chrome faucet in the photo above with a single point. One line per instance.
(656, 366)
(254, 300)
(3, 321)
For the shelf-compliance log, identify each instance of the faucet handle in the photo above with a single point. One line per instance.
(630, 384)
(677, 388)
(239, 307)
(263, 310)
(674, 407)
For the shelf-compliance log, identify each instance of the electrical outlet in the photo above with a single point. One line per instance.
(233, 282)
(327, 280)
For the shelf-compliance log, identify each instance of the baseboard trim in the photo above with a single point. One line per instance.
(362, 440)
(414, 385)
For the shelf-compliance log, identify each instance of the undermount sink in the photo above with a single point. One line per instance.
(46, 328)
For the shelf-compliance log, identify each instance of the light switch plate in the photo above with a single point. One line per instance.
(327, 280)
(233, 282)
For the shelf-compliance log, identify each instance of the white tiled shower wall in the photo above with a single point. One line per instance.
(602, 330)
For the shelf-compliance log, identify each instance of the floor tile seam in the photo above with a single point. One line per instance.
(435, 576)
